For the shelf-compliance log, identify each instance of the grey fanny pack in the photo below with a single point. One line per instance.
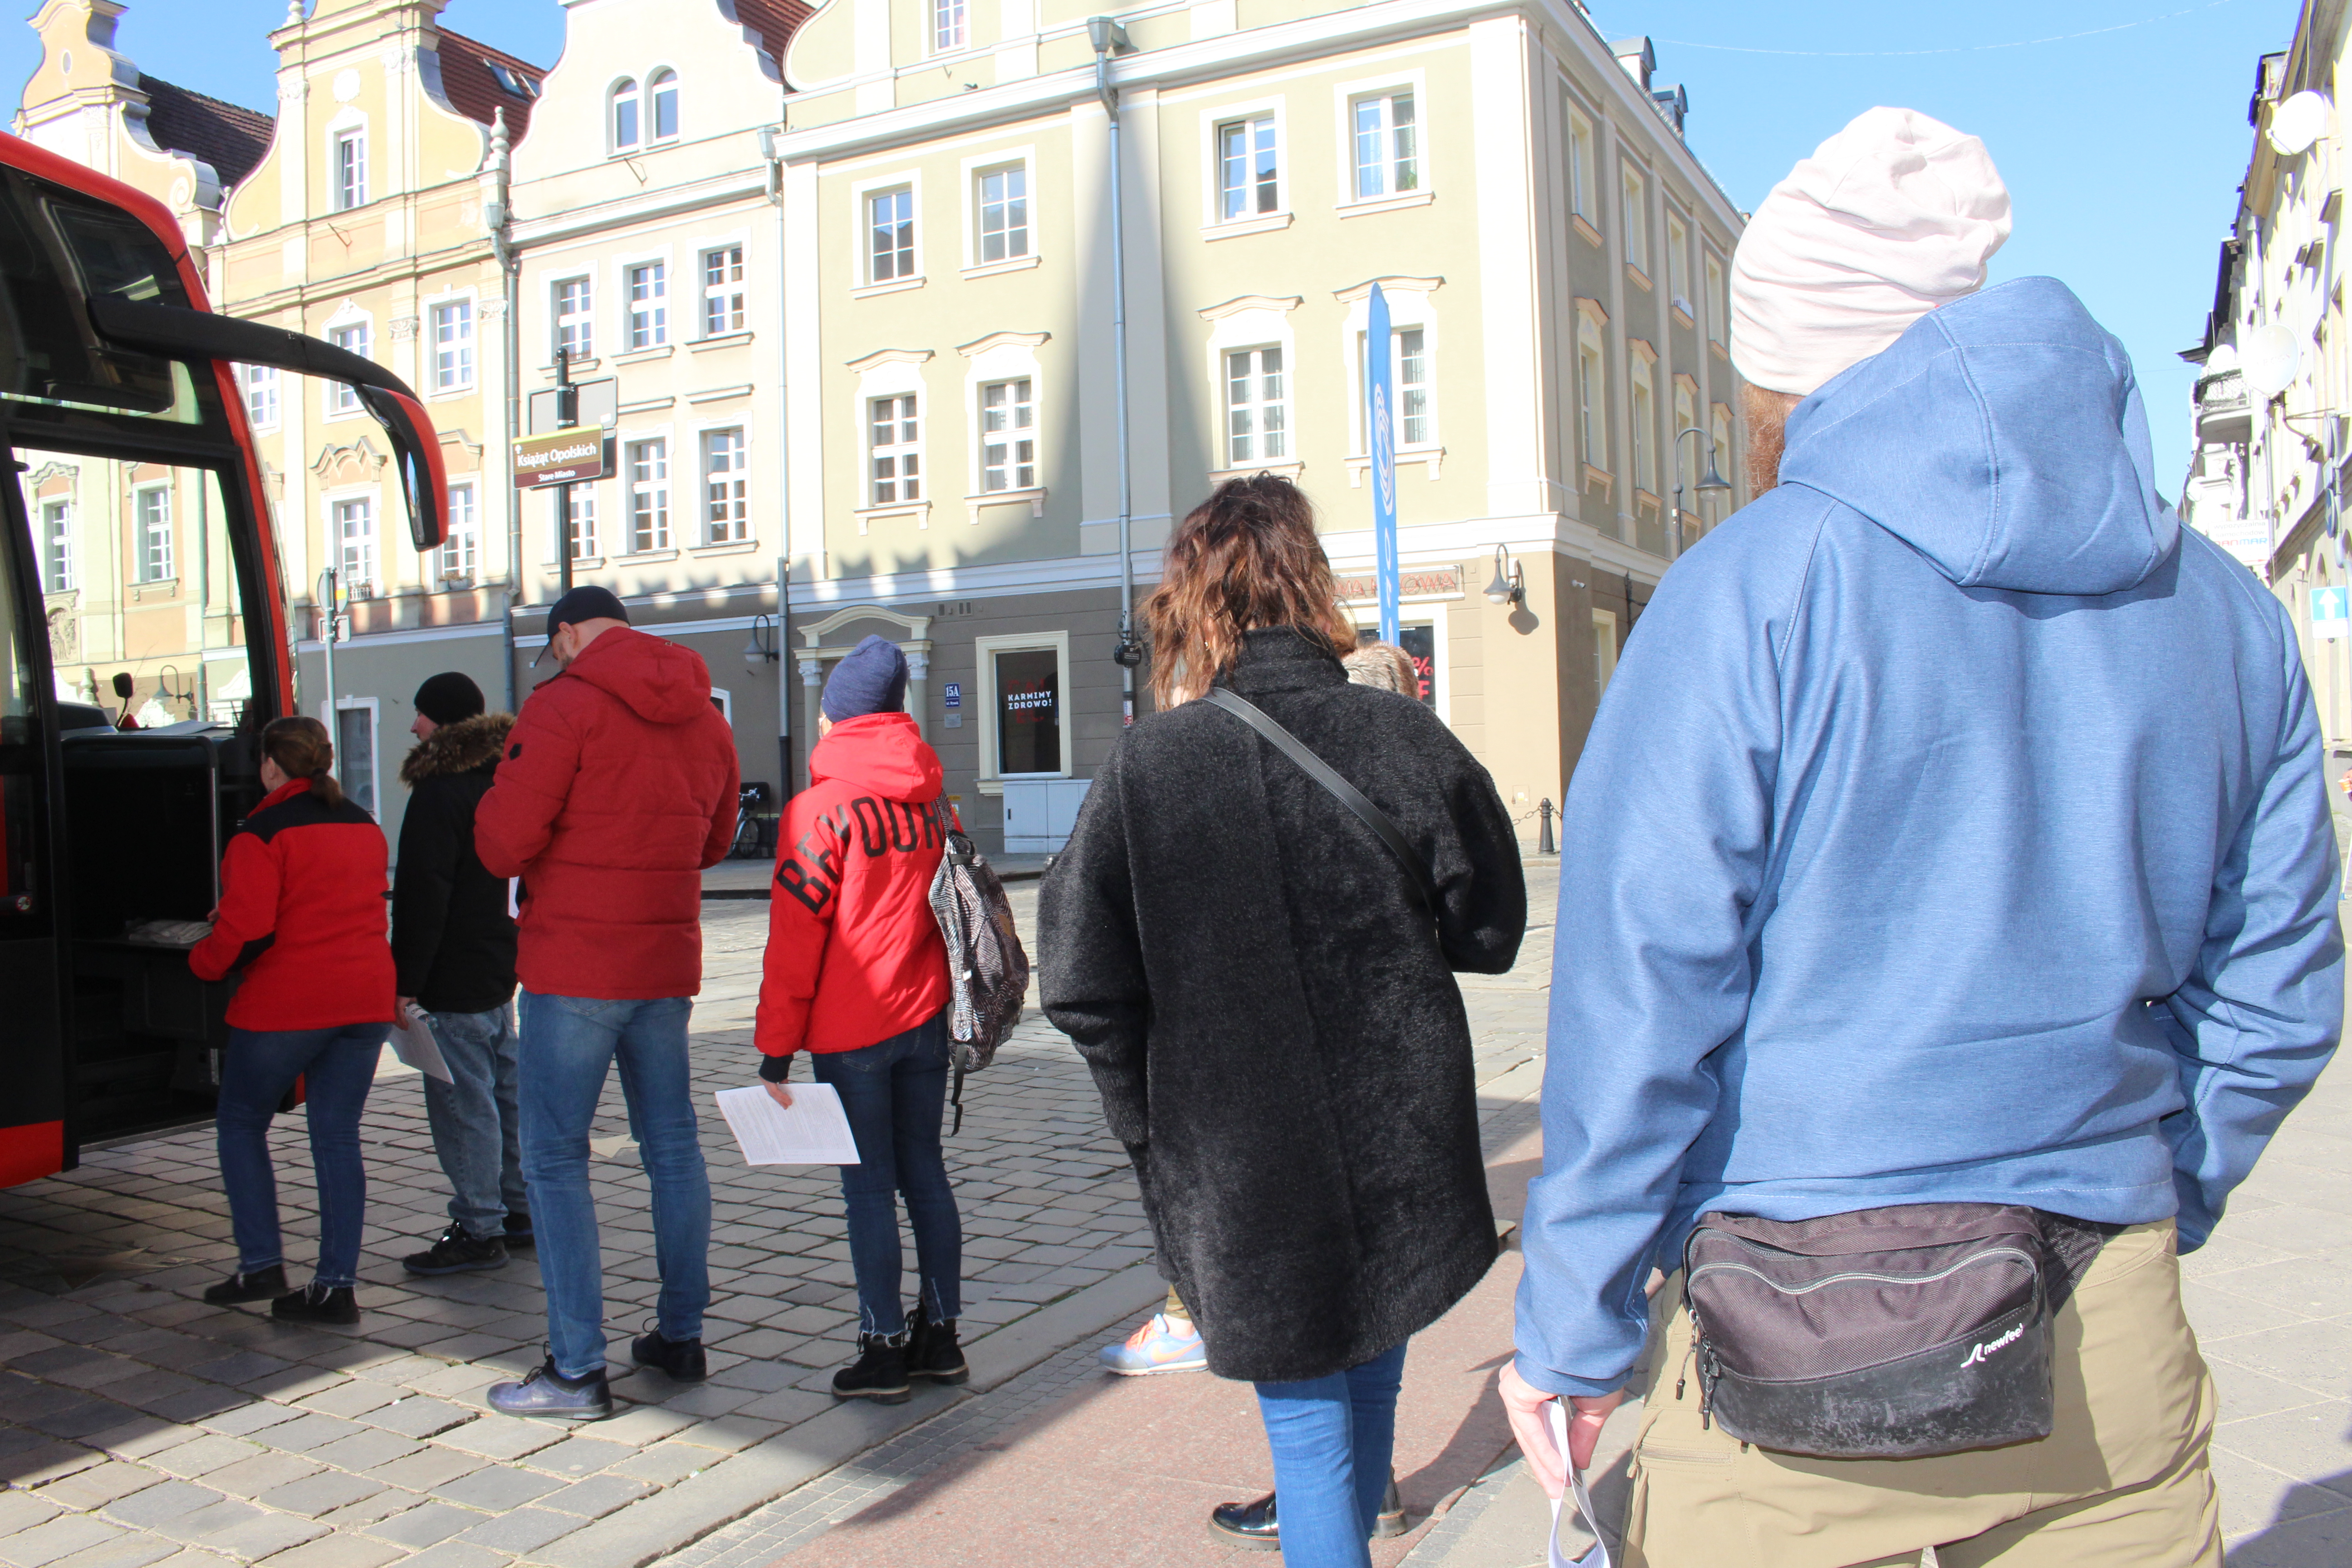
(1888, 1333)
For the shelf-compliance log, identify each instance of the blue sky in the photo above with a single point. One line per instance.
(2122, 147)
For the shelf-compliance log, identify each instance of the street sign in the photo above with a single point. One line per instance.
(1380, 423)
(553, 409)
(565, 457)
(954, 693)
(2328, 612)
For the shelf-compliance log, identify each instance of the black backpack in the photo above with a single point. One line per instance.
(988, 971)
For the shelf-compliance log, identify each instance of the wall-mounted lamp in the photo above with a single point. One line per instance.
(761, 651)
(1509, 586)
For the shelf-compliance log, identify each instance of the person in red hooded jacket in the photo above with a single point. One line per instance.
(857, 974)
(616, 789)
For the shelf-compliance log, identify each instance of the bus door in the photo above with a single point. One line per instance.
(31, 971)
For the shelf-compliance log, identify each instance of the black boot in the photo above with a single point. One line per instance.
(932, 1351)
(317, 1303)
(880, 1372)
(457, 1253)
(519, 1231)
(682, 1360)
(261, 1285)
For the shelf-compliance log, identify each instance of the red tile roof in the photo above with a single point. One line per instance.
(472, 89)
(775, 21)
(232, 139)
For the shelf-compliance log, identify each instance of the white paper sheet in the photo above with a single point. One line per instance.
(413, 1043)
(811, 1131)
(1599, 1556)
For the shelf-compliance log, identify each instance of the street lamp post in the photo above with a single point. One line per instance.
(1710, 480)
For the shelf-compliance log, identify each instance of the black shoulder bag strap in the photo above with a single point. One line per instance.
(1423, 891)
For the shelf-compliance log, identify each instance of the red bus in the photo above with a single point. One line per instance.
(120, 389)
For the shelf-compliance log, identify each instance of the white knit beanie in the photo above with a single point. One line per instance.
(1889, 218)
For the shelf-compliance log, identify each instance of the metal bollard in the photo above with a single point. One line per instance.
(1544, 845)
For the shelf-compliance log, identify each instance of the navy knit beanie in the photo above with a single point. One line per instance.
(871, 679)
(449, 697)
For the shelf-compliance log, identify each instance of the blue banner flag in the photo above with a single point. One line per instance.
(1380, 404)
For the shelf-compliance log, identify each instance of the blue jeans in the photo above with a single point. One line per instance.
(1333, 1439)
(568, 1045)
(336, 1065)
(476, 1125)
(894, 1094)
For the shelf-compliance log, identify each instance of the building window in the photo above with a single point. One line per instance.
(351, 170)
(1646, 434)
(1635, 192)
(575, 331)
(355, 562)
(1028, 684)
(897, 450)
(722, 290)
(1248, 173)
(726, 475)
(892, 216)
(663, 89)
(1591, 417)
(1685, 453)
(580, 521)
(1387, 157)
(625, 114)
(1604, 651)
(1718, 301)
(1678, 264)
(1410, 359)
(261, 396)
(648, 496)
(1721, 454)
(1003, 213)
(355, 753)
(453, 345)
(1257, 408)
(154, 509)
(948, 28)
(342, 397)
(57, 547)
(1008, 437)
(461, 553)
(648, 305)
(1581, 167)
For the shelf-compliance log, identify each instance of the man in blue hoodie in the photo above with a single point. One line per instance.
(1954, 833)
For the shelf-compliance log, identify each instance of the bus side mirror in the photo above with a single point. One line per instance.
(416, 452)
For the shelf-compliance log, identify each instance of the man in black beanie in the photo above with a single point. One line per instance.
(453, 944)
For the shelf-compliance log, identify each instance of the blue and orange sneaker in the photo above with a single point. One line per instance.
(1163, 1344)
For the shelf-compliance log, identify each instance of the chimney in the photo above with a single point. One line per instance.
(1674, 103)
(1638, 58)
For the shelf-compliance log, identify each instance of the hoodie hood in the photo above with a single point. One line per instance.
(458, 748)
(882, 752)
(2003, 436)
(661, 682)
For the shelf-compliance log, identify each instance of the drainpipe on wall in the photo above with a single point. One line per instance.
(498, 215)
(1109, 38)
(768, 151)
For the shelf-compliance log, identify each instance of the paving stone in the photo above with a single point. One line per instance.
(581, 1457)
(60, 1537)
(96, 1486)
(213, 1518)
(364, 1451)
(419, 1417)
(666, 1463)
(45, 1460)
(380, 1504)
(129, 1550)
(457, 1554)
(24, 1510)
(246, 1419)
(429, 1466)
(315, 1430)
(339, 1551)
(171, 1499)
(320, 1493)
(421, 1527)
(201, 1456)
(263, 1535)
(599, 1495)
(351, 1398)
(522, 1530)
(264, 1472)
(511, 1438)
(496, 1487)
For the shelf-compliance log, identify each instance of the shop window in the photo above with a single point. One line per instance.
(1028, 710)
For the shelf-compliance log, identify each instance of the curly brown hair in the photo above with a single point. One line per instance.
(1245, 559)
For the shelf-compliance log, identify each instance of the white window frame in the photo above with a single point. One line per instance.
(726, 294)
(1015, 434)
(581, 499)
(632, 88)
(583, 318)
(950, 26)
(1286, 369)
(898, 451)
(335, 501)
(649, 106)
(459, 559)
(1023, 236)
(1583, 162)
(1683, 455)
(1604, 653)
(649, 497)
(452, 376)
(262, 404)
(905, 259)
(725, 492)
(1634, 214)
(342, 402)
(646, 318)
(347, 179)
(985, 652)
(861, 231)
(1214, 224)
(372, 708)
(1346, 96)
(1592, 395)
(1410, 310)
(1257, 130)
(146, 534)
(1719, 298)
(58, 554)
(1642, 420)
(1678, 279)
(1719, 430)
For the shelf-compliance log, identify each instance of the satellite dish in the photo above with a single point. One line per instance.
(2298, 123)
(2268, 356)
(2223, 360)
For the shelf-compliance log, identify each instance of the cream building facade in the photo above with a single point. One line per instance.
(1552, 254)
(2273, 401)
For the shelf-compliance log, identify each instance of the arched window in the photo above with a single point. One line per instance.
(663, 88)
(625, 114)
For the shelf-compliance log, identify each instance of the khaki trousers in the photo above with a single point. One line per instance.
(2121, 1479)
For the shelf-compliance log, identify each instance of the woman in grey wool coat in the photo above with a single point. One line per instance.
(1271, 1016)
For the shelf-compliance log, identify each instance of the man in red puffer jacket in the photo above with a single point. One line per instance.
(616, 789)
(857, 977)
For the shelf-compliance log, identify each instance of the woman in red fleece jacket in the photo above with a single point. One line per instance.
(858, 975)
(302, 914)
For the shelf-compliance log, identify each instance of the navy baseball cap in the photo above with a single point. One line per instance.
(578, 605)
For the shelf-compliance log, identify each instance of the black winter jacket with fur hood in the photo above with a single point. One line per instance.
(1272, 1021)
(451, 936)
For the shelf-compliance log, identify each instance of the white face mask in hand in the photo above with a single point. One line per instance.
(1599, 1556)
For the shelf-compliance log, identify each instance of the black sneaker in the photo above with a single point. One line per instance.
(261, 1285)
(932, 1351)
(458, 1253)
(681, 1360)
(518, 1233)
(317, 1303)
(880, 1372)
